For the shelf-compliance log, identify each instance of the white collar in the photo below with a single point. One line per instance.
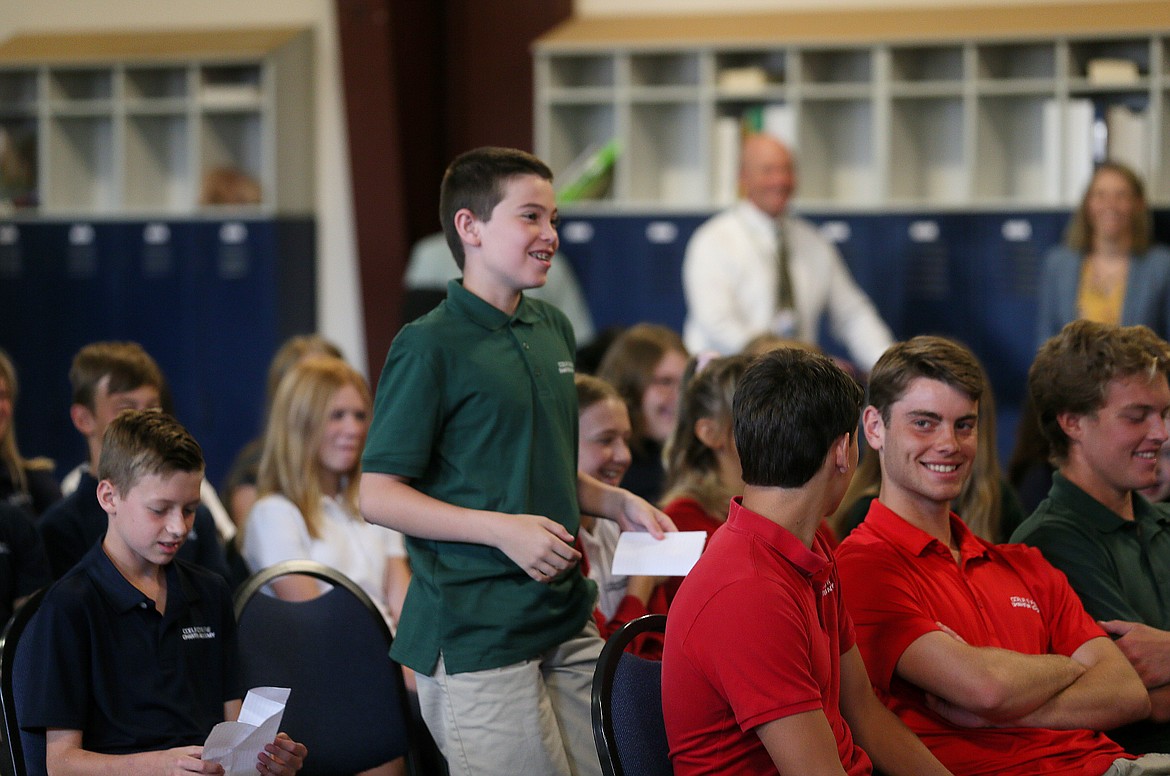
(757, 220)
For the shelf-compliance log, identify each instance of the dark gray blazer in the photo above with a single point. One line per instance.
(1147, 292)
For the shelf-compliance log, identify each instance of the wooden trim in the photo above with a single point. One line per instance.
(868, 26)
(117, 46)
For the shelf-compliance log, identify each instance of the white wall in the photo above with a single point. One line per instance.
(339, 312)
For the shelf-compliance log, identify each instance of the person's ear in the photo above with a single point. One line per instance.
(1070, 424)
(710, 433)
(83, 419)
(874, 427)
(107, 496)
(467, 226)
(842, 450)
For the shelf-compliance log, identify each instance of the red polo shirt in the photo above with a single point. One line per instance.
(899, 582)
(755, 634)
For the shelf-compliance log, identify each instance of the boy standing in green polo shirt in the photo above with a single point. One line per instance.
(472, 455)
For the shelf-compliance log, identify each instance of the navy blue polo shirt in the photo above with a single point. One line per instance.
(77, 522)
(131, 679)
(23, 566)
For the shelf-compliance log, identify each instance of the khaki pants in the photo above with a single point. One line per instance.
(1146, 764)
(526, 718)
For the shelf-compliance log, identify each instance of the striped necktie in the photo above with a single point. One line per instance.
(784, 297)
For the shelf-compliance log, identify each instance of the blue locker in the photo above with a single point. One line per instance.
(29, 288)
(255, 285)
(209, 300)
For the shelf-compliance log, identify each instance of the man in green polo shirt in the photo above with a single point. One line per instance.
(472, 455)
(1102, 398)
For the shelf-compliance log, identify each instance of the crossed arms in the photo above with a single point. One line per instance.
(1094, 688)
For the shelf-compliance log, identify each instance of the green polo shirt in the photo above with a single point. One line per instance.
(1119, 568)
(478, 409)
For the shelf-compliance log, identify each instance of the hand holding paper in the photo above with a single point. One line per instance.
(640, 553)
(237, 745)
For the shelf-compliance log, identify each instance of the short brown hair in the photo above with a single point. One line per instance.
(475, 180)
(1074, 368)
(936, 358)
(127, 365)
(139, 443)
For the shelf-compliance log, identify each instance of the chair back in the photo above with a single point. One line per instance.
(26, 750)
(348, 703)
(628, 727)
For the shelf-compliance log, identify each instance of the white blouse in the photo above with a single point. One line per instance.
(599, 545)
(275, 531)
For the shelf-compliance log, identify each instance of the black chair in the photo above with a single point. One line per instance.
(627, 705)
(26, 750)
(348, 704)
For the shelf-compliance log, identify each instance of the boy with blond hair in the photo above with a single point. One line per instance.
(135, 649)
(107, 378)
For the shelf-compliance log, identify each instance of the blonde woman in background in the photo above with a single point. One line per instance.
(240, 488)
(308, 484)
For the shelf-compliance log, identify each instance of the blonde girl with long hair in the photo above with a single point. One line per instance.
(308, 482)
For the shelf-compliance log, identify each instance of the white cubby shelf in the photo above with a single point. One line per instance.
(964, 107)
(128, 123)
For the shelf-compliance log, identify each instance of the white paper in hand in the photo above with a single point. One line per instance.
(639, 553)
(237, 745)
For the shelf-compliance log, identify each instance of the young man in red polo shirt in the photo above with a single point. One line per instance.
(983, 650)
(760, 673)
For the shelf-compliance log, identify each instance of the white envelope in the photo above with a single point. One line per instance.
(639, 553)
(237, 745)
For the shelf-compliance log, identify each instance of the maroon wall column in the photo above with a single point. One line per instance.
(489, 86)
(425, 80)
(371, 111)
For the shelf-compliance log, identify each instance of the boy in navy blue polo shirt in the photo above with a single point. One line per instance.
(107, 378)
(137, 650)
(472, 455)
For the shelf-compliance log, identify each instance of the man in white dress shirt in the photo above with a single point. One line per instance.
(738, 262)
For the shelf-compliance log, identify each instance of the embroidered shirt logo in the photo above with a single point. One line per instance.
(1019, 602)
(565, 367)
(198, 632)
(828, 588)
